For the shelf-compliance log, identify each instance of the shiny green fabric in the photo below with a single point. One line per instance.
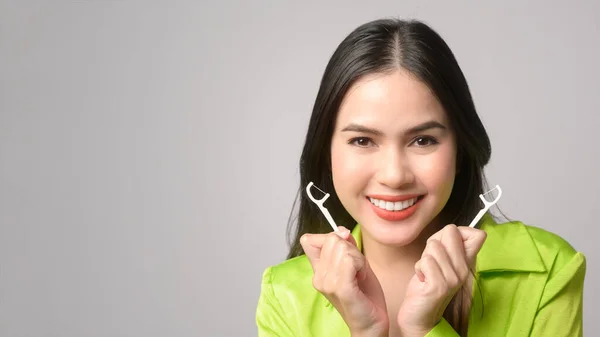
(529, 283)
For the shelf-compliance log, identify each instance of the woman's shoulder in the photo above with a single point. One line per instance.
(540, 236)
(529, 246)
(289, 298)
(292, 280)
(294, 272)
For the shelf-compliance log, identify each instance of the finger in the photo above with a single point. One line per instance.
(320, 263)
(341, 248)
(335, 241)
(335, 262)
(361, 263)
(346, 234)
(341, 267)
(343, 232)
(419, 272)
(473, 240)
(331, 239)
(349, 268)
(439, 253)
(451, 239)
(312, 245)
(431, 271)
(351, 239)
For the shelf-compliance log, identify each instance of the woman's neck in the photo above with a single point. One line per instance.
(391, 258)
(394, 268)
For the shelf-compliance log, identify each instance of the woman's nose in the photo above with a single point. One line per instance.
(394, 170)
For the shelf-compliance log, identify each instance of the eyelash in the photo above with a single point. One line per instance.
(353, 140)
(432, 141)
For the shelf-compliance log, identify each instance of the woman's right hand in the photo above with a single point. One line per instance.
(343, 275)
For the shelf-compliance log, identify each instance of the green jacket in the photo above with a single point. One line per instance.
(530, 284)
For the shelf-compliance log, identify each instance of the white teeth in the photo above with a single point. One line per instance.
(393, 206)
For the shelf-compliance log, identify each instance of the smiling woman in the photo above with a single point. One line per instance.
(394, 137)
(408, 152)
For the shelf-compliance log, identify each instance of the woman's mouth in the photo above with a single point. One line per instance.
(394, 205)
(395, 210)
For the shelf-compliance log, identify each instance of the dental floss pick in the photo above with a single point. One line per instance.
(319, 203)
(487, 205)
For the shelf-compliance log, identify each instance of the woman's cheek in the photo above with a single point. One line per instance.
(350, 173)
(345, 162)
(437, 170)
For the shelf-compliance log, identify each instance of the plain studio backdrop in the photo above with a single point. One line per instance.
(149, 151)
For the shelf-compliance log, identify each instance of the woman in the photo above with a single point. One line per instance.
(394, 137)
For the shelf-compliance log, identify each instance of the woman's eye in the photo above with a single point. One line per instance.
(360, 141)
(425, 141)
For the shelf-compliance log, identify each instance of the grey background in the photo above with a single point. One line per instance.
(148, 151)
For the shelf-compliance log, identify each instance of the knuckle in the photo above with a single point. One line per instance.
(344, 291)
(427, 260)
(431, 238)
(434, 245)
(330, 287)
(340, 243)
(443, 289)
(361, 262)
(452, 282)
(454, 230)
(346, 247)
(438, 289)
(317, 283)
(463, 272)
(332, 239)
(347, 260)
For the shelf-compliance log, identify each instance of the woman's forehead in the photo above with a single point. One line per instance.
(388, 98)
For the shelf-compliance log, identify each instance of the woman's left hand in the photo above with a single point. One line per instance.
(439, 274)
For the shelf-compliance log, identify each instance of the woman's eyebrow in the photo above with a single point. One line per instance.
(352, 127)
(362, 129)
(426, 126)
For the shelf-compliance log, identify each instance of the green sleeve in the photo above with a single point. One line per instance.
(560, 312)
(270, 317)
(442, 329)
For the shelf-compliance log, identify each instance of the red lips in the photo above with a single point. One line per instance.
(395, 215)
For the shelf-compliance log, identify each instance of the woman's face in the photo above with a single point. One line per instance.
(393, 156)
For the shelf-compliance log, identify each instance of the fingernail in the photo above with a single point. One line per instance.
(343, 232)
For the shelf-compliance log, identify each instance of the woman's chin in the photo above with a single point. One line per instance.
(397, 240)
(397, 235)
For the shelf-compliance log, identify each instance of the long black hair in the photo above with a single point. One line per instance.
(384, 46)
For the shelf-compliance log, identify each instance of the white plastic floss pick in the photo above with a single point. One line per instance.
(319, 203)
(487, 205)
